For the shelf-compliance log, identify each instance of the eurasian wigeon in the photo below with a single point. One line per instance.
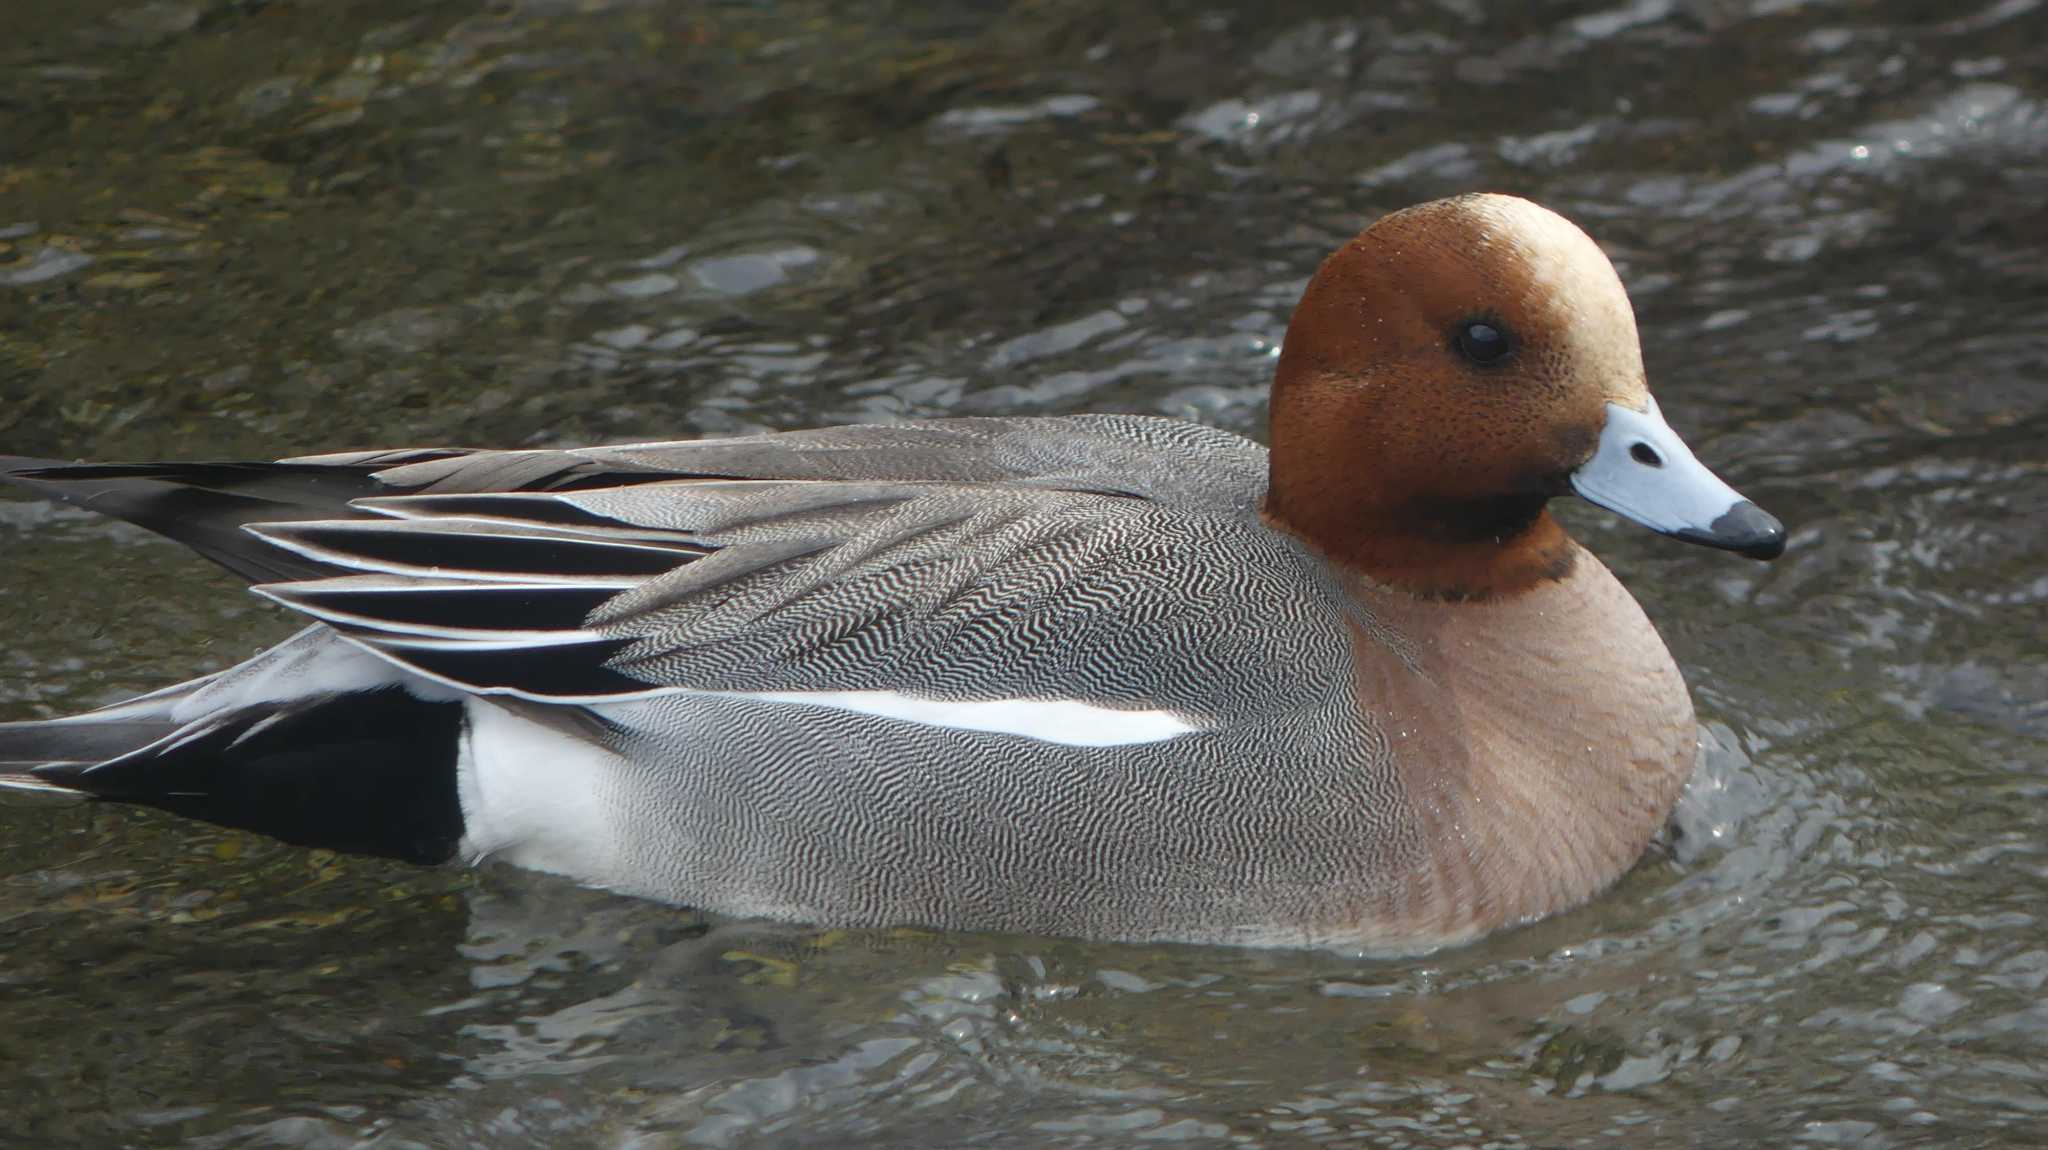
(1111, 676)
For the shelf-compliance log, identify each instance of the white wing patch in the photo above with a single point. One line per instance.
(1068, 722)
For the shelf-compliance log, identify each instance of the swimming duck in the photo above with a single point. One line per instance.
(1110, 676)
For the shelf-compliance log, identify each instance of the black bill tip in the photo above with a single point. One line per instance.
(1745, 529)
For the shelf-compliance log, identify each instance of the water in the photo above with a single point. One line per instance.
(256, 229)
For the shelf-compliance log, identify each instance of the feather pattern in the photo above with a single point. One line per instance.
(1110, 676)
(1041, 675)
(844, 558)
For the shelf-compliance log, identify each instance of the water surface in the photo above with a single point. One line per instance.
(259, 229)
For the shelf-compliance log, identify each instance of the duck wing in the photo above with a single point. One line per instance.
(797, 585)
(1147, 457)
(205, 505)
(954, 555)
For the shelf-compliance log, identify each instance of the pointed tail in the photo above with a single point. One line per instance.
(204, 505)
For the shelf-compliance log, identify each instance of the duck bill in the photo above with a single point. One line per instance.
(1644, 472)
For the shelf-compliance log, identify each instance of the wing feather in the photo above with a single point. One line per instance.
(949, 556)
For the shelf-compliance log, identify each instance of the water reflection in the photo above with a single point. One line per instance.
(231, 230)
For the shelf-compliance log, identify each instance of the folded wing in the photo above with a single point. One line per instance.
(944, 559)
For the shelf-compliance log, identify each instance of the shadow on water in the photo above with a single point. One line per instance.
(235, 228)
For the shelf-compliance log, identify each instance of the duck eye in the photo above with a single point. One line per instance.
(1481, 341)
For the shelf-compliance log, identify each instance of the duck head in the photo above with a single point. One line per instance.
(1450, 371)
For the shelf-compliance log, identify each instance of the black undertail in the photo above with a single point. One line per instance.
(367, 772)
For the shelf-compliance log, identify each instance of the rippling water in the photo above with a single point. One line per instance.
(232, 228)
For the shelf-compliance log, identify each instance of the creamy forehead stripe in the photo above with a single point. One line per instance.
(1590, 312)
(1555, 249)
(1068, 722)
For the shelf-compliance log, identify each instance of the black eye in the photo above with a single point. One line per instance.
(1484, 342)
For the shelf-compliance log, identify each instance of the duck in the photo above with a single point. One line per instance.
(1102, 676)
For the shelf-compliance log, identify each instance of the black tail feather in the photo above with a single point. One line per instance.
(33, 744)
(204, 505)
(370, 772)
